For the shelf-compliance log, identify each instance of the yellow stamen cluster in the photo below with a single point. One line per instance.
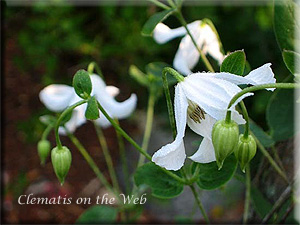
(195, 112)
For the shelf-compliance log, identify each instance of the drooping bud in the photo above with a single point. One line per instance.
(61, 161)
(43, 150)
(225, 136)
(245, 151)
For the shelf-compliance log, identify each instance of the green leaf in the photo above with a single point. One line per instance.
(285, 23)
(261, 205)
(138, 75)
(154, 73)
(154, 20)
(98, 214)
(92, 111)
(162, 185)
(48, 119)
(280, 114)
(291, 59)
(265, 139)
(234, 63)
(82, 84)
(211, 178)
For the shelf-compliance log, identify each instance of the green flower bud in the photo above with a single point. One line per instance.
(43, 150)
(61, 161)
(245, 151)
(225, 136)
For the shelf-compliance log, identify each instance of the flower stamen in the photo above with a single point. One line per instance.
(195, 112)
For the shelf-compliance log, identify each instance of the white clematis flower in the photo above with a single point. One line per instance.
(187, 54)
(200, 100)
(57, 97)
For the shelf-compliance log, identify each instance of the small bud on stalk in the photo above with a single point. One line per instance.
(61, 161)
(43, 150)
(245, 151)
(225, 136)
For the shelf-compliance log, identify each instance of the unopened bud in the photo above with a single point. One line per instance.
(225, 136)
(245, 151)
(43, 150)
(61, 161)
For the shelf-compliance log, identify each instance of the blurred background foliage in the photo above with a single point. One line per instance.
(54, 41)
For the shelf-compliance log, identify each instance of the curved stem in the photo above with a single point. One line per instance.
(195, 193)
(180, 78)
(47, 131)
(261, 87)
(203, 56)
(148, 128)
(131, 141)
(123, 159)
(64, 113)
(107, 158)
(248, 194)
(246, 117)
(94, 66)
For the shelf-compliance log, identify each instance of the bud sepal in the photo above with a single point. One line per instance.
(225, 136)
(61, 160)
(245, 151)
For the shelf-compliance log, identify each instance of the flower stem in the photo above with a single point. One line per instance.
(131, 141)
(61, 117)
(123, 159)
(94, 66)
(108, 158)
(161, 5)
(195, 193)
(148, 128)
(261, 87)
(176, 75)
(246, 117)
(248, 195)
(270, 159)
(203, 56)
(47, 131)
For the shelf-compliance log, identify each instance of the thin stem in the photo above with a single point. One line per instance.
(270, 159)
(171, 3)
(148, 127)
(94, 66)
(107, 158)
(248, 194)
(91, 163)
(277, 158)
(203, 56)
(61, 117)
(246, 117)
(161, 5)
(131, 141)
(123, 159)
(176, 75)
(47, 131)
(261, 87)
(195, 193)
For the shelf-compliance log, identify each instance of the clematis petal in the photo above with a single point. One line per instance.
(211, 94)
(204, 128)
(98, 85)
(162, 33)
(180, 107)
(112, 90)
(171, 156)
(205, 153)
(56, 97)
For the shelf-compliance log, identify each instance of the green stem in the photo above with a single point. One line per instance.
(148, 127)
(248, 194)
(131, 141)
(47, 131)
(270, 159)
(61, 117)
(246, 117)
(261, 87)
(91, 163)
(195, 193)
(94, 66)
(123, 159)
(203, 56)
(171, 3)
(107, 158)
(161, 5)
(180, 78)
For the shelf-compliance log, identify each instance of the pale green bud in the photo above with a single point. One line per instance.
(61, 161)
(43, 150)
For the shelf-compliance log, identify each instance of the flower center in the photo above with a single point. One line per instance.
(195, 112)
